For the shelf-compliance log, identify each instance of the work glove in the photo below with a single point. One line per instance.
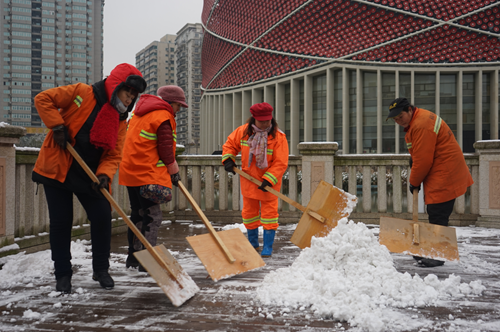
(60, 136)
(412, 187)
(265, 183)
(228, 165)
(103, 183)
(175, 179)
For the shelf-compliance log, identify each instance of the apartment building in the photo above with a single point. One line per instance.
(157, 63)
(188, 62)
(46, 44)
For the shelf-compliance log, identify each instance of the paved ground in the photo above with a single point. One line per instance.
(137, 303)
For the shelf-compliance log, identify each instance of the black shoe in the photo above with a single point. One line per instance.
(417, 258)
(104, 279)
(132, 261)
(63, 284)
(428, 262)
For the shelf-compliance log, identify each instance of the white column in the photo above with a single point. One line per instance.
(308, 108)
(330, 84)
(460, 109)
(345, 111)
(359, 112)
(379, 111)
(294, 116)
(479, 106)
(438, 94)
(494, 105)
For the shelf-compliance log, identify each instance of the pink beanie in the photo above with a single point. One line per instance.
(172, 94)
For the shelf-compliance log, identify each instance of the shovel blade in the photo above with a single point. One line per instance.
(331, 203)
(215, 261)
(434, 241)
(178, 287)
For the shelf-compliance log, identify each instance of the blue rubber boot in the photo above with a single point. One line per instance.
(268, 243)
(253, 237)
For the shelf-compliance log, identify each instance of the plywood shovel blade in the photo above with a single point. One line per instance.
(331, 203)
(214, 260)
(178, 287)
(419, 239)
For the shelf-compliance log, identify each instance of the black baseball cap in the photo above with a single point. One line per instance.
(397, 106)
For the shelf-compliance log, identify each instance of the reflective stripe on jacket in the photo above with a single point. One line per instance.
(70, 105)
(438, 160)
(141, 163)
(277, 159)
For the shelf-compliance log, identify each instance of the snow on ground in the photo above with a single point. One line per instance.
(344, 276)
(349, 276)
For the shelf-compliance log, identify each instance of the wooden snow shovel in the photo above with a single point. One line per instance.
(416, 238)
(326, 207)
(225, 253)
(160, 264)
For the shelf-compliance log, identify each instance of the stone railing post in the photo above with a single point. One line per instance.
(9, 135)
(317, 165)
(489, 183)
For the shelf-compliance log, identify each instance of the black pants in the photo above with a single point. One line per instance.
(60, 203)
(439, 214)
(137, 202)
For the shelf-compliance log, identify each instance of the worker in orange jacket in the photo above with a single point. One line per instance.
(437, 161)
(149, 168)
(92, 119)
(264, 155)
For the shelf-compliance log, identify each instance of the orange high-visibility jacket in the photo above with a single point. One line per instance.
(277, 159)
(141, 163)
(75, 102)
(438, 160)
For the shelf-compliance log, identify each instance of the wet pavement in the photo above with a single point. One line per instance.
(137, 303)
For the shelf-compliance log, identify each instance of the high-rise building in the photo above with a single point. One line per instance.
(46, 44)
(189, 41)
(157, 63)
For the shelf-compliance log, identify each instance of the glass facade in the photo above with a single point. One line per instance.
(469, 111)
(438, 91)
(369, 112)
(319, 109)
(388, 126)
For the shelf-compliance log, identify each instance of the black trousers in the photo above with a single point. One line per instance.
(439, 214)
(98, 209)
(137, 202)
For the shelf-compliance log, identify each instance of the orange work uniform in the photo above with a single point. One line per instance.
(141, 164)
(75, 102)
(438, 160)
(277, 159)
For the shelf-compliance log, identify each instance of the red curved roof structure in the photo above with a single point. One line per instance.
(254, 40)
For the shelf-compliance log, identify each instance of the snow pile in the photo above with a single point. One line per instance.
(349, 276)
(22, 269)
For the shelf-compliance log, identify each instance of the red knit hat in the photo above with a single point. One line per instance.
(172, 94)
(262, 111)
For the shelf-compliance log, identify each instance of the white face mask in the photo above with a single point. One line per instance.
(119, 106)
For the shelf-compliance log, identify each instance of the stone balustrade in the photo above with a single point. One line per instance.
(378, 180)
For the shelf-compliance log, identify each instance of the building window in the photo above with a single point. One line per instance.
(369, 112)
(468, 106)
(352, 110)
(319, 109)
(448, 100)
(337, 107)
(388, 127)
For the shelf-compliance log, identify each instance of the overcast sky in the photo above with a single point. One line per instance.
(131, 25)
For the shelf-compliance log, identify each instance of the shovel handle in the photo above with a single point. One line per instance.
(207, 223)
(129, 223)
(415, 205)
(269, 189)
